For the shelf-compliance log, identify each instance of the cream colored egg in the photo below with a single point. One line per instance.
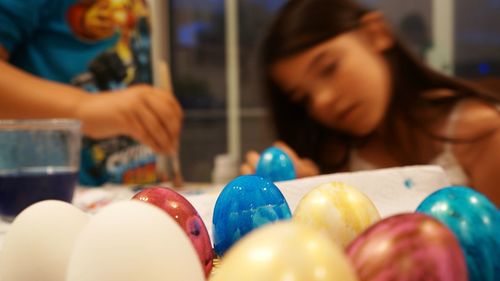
(285, 251)
(340, 211)
(39, 242)
(133, 241)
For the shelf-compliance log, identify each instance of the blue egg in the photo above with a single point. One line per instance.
(275, 165)
(245, 204)
(475, 221)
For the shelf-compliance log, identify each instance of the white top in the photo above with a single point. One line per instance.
(446, 159)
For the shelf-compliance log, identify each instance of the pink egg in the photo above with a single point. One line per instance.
(408, 247)
(186, 216)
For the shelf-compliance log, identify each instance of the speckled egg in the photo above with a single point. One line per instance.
(275, 165)
(339, 210)
(285, 251)
(186, 216)
(408, 247)
(245, 204)
(476, 223)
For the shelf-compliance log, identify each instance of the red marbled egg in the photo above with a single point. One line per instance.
(408, 247)
(186, 216)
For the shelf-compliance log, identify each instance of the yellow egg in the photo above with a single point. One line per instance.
(340, 211)
(285, 251)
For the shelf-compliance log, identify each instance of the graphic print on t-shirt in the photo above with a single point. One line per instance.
(119, 160)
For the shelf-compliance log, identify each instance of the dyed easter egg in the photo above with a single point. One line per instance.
(275, 165)
(285, 251)
(409, 247)
(244, 204)
(186, 216)
(475, 222)
(340, 211)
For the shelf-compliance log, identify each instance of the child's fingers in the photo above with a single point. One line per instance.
(303, 167)
(246, 169)
(252, 158)
(281, 145)
(308, 168)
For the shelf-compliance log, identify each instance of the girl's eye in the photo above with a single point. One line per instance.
(298, 97)
(328, 70)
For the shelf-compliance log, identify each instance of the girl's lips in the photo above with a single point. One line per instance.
(347, 113)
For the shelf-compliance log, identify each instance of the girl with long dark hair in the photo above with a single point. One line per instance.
(346, 95)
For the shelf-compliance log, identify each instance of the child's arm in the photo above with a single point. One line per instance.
(26, 96)
(3, 53)
(149, 115)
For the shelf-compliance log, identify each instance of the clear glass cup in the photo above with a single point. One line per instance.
(39, 160)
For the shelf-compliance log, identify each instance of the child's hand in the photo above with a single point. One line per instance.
(304, 167)
(149, 115)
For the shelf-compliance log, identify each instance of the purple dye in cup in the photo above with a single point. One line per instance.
(20, 189)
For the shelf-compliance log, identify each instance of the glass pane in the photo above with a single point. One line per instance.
(411, 20)
(198, 71)
(256, 128)
(199, 74)
(477, 35)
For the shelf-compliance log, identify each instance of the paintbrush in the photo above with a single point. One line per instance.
(173, 166)
(162, 79)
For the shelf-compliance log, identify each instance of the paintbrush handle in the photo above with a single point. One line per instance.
(165, 83)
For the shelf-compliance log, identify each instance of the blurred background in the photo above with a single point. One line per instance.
(459, 37)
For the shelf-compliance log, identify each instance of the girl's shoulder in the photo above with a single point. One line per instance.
(479, 122)
(476, 119)
(477, 130)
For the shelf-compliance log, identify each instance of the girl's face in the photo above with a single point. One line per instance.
(344, 82)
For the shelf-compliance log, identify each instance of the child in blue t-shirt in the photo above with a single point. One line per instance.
(54, 53)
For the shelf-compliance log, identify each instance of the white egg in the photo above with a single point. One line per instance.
(40, 241)
(133, 241)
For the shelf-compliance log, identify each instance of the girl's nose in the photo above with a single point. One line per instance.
(322, 97)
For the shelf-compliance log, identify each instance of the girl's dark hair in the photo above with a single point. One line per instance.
(302, 24)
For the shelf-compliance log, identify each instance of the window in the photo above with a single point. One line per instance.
(199, 73)
(455, 36)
